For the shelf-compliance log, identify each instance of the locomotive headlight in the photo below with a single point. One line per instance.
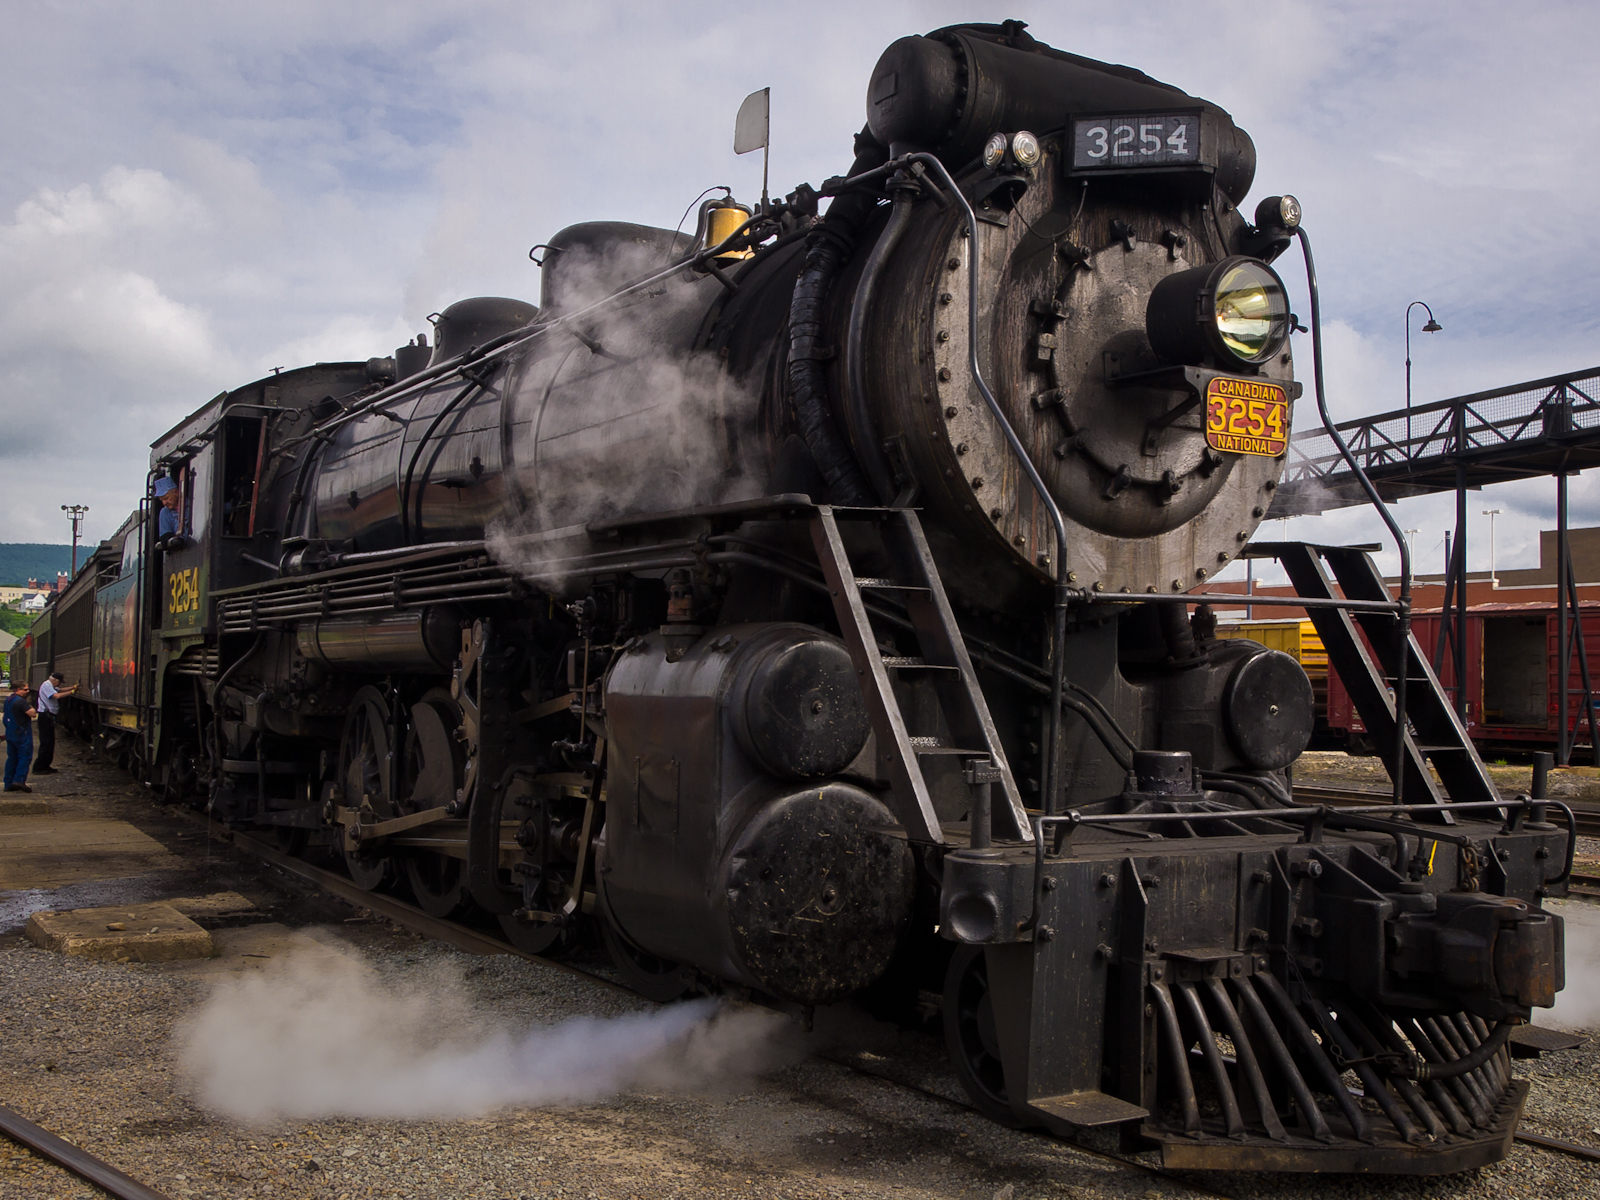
(1232, 312)
(1251, 311)
(994, 152)
(1025, 148)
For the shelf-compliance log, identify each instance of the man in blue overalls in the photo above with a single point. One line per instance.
(19, 713)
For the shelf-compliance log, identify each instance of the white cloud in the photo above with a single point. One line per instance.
(202, 193)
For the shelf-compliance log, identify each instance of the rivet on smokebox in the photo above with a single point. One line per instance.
(944, 374)
(995, 514)
(977, 483)
(951, 411)
(1200, 573)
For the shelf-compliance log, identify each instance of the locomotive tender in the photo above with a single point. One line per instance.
(804, 604)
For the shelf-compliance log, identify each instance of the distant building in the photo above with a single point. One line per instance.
(11, 594)
(35, 602)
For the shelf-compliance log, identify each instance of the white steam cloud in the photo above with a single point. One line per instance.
(621, 415)
(327, 1036)
(1578, 1004)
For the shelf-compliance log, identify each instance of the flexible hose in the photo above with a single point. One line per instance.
(1422, 1071)
(827, 248)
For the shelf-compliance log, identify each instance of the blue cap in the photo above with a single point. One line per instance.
(164, 485)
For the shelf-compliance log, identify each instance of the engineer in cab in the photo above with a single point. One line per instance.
(169, 521)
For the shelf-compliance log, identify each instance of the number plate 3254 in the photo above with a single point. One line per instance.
(1247, 416)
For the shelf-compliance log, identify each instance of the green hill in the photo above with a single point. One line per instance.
(22, 561)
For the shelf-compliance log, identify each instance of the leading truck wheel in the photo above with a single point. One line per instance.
(653, 978)
(971, 1037)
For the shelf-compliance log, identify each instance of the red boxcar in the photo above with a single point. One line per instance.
(1511, 686)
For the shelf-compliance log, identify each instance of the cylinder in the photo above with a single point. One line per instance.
(426, 642)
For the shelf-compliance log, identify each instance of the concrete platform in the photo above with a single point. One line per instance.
(24, 806)
(37, 853)
(127, 933)
(218, 904)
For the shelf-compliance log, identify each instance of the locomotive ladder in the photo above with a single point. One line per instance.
(913, 755)
(1434, 733)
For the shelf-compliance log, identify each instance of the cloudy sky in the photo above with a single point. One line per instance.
(193, 194)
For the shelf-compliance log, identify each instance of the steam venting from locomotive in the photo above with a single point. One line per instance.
(326, 1036)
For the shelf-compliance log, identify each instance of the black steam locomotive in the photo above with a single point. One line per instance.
(804, 605)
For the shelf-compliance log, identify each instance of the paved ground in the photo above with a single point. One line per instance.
(94, 1051)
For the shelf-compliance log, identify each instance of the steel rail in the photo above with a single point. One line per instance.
(1549, 1143)
(1064, 593)
(75, 1159)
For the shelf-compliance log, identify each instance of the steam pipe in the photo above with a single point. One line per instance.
(1404, 605)
(416, 455)
(858, 419)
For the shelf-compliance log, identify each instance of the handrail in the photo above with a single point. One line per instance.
(1064, 594)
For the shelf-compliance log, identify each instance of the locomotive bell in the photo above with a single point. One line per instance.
(724, 223)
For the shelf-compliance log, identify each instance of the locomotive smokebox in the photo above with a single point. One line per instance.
(950, 91)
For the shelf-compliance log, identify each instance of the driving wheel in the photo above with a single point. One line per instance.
(433, 763)
(364, 774)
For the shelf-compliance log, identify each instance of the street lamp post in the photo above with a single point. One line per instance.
(75, 515)
(1431, 327)
(1491, 513)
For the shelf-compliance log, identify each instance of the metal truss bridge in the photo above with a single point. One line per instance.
(1543, 427)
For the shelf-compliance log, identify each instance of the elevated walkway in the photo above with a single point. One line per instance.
(1542, 427)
